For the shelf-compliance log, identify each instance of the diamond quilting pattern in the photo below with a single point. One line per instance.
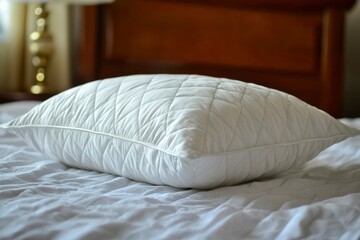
(158, 107)
(180, 130)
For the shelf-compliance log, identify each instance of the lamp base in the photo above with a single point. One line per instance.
(38, 89)
(41, 47)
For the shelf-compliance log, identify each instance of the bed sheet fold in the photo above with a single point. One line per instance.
(44, 199)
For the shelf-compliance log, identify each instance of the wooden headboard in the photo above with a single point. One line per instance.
(294, 46)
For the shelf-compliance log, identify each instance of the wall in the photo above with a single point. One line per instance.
(12, 48)
(352, 63)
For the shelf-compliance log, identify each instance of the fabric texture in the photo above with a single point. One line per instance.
(44, 199)
(186, 131)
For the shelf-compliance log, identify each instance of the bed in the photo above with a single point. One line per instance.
(294, 47)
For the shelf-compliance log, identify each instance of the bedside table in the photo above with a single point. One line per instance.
(23, 96)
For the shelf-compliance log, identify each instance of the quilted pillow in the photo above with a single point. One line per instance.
(186, 131)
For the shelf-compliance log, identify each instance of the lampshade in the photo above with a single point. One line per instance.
(67, 1)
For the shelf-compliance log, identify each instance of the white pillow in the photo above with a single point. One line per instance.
(186, 131)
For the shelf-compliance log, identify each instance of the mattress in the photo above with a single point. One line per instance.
(44, 199)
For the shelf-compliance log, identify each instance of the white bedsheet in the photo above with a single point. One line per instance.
(44, 199)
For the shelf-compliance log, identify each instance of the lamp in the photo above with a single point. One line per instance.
(41, 44)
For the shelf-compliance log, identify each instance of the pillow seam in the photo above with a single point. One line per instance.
(182, 155)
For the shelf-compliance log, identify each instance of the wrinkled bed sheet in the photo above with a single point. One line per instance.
(44, 199)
